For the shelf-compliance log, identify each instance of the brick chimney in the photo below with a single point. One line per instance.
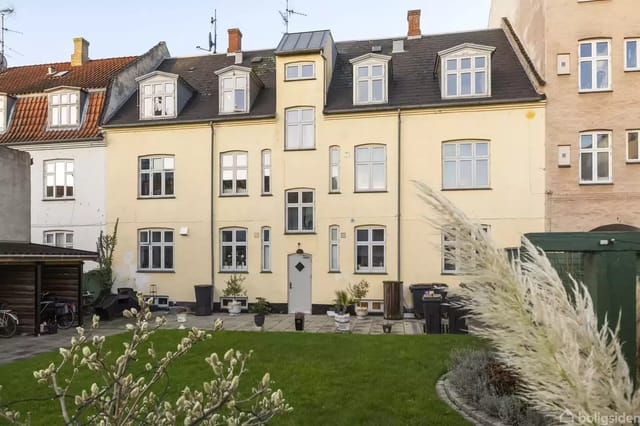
(413, 17)
(235, 40)
(80, 54)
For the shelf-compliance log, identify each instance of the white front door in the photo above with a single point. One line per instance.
(299, 283)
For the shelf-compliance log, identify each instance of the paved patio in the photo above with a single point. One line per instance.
(21, 347)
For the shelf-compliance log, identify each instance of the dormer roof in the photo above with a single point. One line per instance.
(305, 42)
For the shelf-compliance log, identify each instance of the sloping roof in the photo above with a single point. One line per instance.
(30, 122)
(198, 72)
(34, 78)
(413, 82)
(10, 249)
(309, 41)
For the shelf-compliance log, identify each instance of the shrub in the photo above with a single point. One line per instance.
(234, 286)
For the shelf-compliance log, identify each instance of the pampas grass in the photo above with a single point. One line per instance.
(549, 336)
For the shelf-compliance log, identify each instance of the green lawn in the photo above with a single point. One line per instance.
(332, 379)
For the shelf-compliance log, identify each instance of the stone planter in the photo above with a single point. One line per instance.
(342, 323)
(362, 311)
(235, 307)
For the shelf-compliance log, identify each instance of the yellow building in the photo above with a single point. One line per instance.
(293, 167)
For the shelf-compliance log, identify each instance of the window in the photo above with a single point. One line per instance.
(370, 78)
(334, 248)
(371, 169)
(157, 176)
(334, 169)
(633, 149)
(59, 238)
(300, 206)
(595, 65)
(266, 249)
(266, 172)
(155, 250)
(595, 157)
(158, 99)
(631, 49)
(300, 128)
(466, 76)
(450, 249)
(300, 71)
(3, 113)
(233, 250)
(58, 176)
(465, 165)
(370, 249)
(234, 173)
(233, 93)
(64, 109)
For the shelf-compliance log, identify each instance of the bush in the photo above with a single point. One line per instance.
(491, 387)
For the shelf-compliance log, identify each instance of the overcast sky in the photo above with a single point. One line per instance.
(131, 27)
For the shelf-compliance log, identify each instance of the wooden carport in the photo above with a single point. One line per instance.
(26, 270)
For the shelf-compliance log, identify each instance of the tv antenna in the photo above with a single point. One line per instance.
(286, 15)
(212, 43)
(3, 29)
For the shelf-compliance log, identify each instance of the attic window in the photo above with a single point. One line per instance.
(370, 79)
(64, 109)
(60, 73)
(466, 71)
(3, 113)
(234, 89)
(158, 99)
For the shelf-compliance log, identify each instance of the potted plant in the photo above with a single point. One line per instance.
(299, 321)
(358, 292)
(234, 289)
(181, 314)
(386, 327)
(341, 318)
(260, 309)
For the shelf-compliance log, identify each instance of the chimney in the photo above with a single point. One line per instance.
(80, 54)
(235, 40)
(413, 17)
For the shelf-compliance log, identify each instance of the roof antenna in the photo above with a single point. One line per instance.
(3, 29)
(286, 15)
(212, 43)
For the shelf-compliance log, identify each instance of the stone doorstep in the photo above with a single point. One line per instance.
(456, 402)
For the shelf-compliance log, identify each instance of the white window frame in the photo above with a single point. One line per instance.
(50, 238)
(4, 113)
(334, 169)
(459, 159)
(266, 253)
(166, 169)
(369, 243)
(267, 180)
(594, 59)
(299, 67)
(636, 42)
(236, 172)
(162, 243)
(457, 54)
(334, 246)
(64, 109)
(67, 175)
(235, 266)
(368, 61)
(369, 166)
(452, 244)
(295, 125)
(594, 151)
(635, 132)
(158, 99)
(299, 206)
(234, 86)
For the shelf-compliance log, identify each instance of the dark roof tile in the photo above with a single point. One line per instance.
(18, 249)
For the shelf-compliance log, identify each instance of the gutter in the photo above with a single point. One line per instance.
(95, 139)
(399, 278)
(211, 180)
(196, 121)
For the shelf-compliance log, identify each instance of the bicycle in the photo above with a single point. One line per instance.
(53, 312)
(8, 321)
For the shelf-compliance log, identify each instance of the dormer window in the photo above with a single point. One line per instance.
(64, 108)
(5, 110)
(236, 84)
(370, 79)
(466, 71)
(162, 95)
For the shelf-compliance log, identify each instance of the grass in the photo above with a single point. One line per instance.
(328, 378)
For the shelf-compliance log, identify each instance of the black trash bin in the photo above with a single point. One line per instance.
(457, 314)
(204, 299)
(431, 306)
(392, 300)
(418, 290)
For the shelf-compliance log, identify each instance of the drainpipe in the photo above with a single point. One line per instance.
(211, 181)
(399, 278)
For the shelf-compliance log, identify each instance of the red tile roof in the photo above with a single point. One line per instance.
(34, 78)
(29, 120)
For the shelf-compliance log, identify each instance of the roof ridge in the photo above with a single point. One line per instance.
(69, 62)
(479, 30)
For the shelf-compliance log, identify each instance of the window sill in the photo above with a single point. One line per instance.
(370, 273)
(157, 197)
(371, 103)
(467, 189)
(334, 192)
(232, 112)
(364, 191)
(595, 91)
(227, 271)
(266, 272)
(333, 272)
(631, 69)
(266, 195)
(153, 271)
(299, 149)
(59, 199)
(157, 117)
(633, 161)
(232, 195)
(594, 183)
(450, 273)
(300, 79)
(300, 233)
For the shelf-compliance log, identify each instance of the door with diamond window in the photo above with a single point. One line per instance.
(299, 283)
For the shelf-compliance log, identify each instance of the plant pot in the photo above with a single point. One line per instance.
(235, 307)
(362, 311)
(387, 328)
(258, 319)
(181, 317)
(299, 324)
(342, 323)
